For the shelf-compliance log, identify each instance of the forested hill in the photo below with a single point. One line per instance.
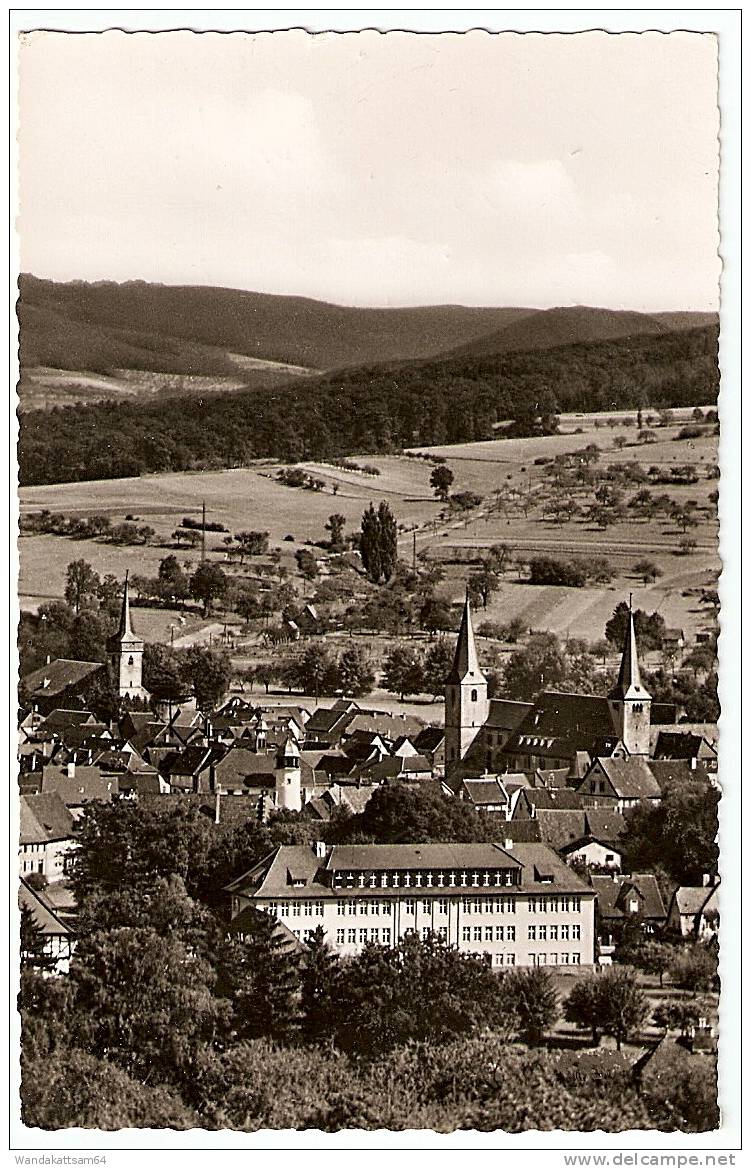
(369, 409)
(137, 325)
(578, 324)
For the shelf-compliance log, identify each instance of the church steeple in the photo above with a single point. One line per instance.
(630, 704)
(629, 676)
(125, 650)
(467, 703)
(125, 629)
(466, 663)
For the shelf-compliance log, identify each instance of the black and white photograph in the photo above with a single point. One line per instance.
(370, 598)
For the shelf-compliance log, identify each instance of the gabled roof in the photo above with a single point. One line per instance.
(692, 899)
(583, 841)
(612, 895)
(44, 916)
(605, 823)
(553, 799)
(60, 718)
(191, 761)
(521, 831)
(551, 777)
(482, 792)
(44, 818)
(85, 785)
(429, 739)
(58, 676)
(561, 827)
(630, 778)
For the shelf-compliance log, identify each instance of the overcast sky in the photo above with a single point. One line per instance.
(370, 169)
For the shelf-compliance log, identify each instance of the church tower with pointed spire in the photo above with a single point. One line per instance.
(630, 704)
(467, 705)
(125, 649)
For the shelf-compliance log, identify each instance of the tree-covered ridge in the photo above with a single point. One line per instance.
(368, 409)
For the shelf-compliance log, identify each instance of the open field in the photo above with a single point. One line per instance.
(250, 497)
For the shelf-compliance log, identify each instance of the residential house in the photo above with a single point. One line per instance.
(485, 795)
(58, 938)
(693, 749)
(694, 912)
(594, 853)
(46, 837)
(626, 900)
(519, 906)
(61, 683)
(629, 781)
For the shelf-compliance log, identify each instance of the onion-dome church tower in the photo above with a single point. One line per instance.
(125, 650)
(467, 705)
(630, 704)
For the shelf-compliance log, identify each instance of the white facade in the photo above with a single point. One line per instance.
(521, 908)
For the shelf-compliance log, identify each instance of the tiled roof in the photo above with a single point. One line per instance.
(484, 791)
(44, 818)
(605, 823)
(521, 831)
(561, 724)
(44, 916)
(429, 739)
(561, 827)
(612, 894)
(60, 718)
(85, 785)
(675, 745)
(631, 778)
(271, 876)
(691, 899)
(357, 857)
(506, 715)
(671, 771)
(58, 675)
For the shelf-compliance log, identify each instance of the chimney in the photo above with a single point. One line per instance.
(70, 769)
(706, 880)
(319, 848)
(508, 844)
(47, 661)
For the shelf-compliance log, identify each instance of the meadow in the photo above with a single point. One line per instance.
(252, 498)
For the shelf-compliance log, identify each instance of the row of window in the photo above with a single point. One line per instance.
(489, 933)
(353, 936)
(565, 959)
(555, 904)
(406, 880)
(372, 905)
(296, 908)
(554, 933)
(489, 905)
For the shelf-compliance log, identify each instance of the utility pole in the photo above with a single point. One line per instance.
(414, 551)
(203, 532)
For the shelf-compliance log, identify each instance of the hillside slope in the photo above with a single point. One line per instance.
(550, 328)
(138, 325)
(370, 409)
